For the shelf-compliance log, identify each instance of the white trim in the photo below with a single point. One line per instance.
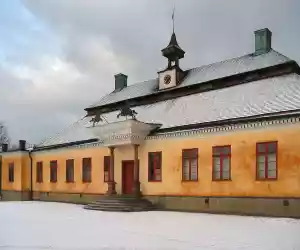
(14, 153)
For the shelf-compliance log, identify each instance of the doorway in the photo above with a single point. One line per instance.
(127, 177)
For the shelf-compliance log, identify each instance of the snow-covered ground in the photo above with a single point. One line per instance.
(55, 226)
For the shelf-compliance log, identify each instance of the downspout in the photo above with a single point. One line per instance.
(31, 176)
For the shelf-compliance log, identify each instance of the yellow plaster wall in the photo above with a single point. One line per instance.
(21, 173)
(97, 185)
(243, 166)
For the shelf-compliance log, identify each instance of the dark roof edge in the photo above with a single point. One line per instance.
(293, 65)
(13, 150)
(68, 144)
(264, 117)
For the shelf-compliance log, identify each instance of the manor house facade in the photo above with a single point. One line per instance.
(218, 138)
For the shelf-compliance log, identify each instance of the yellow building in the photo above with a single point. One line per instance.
(220, 138)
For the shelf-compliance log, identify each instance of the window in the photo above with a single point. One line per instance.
(53, 171)
(221, 163)
(11, 170)
(86, 170)
(154, 166)
(39, 172)
(266, 160)
(190, 164)
(70, 170)
(106, 168)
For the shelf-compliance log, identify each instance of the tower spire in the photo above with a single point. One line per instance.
(173, 51)
(173, 19)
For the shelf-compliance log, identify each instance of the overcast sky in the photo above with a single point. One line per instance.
(59, 56)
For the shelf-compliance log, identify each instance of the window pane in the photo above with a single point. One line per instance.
(226, 164)
(194, 170)
(272, 166)
(271, 173)
(39, 172)
(216, 151)
(186, 163)
(190, 153)
(261, 147)
(158, 175)
(185, 153)
(217, 175)
(226, 150)
(272, 147)
(216, 164)
(194, 176)
(106, 163)
(261, 166)
(106, 176)
(261, 174)
(194, 152)
(272, 158)
(186, 169)
(226, 175)
(193, 163)
(11, 172)
(154, 163)
(261, 159)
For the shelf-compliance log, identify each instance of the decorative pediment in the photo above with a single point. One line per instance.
(125, 132)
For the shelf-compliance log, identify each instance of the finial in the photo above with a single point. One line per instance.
(173, 19)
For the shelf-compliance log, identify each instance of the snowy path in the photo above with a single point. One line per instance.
(55, 226)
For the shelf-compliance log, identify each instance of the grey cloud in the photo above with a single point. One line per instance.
(101, 38)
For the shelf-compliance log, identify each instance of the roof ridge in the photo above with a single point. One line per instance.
(207, 72)
(239, 57)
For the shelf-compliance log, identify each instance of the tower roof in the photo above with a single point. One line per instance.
(173, 50)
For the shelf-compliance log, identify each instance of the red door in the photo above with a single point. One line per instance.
(127, 177)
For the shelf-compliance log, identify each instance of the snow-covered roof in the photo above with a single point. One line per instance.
(265, 96)
(76, 132)
(199, 75)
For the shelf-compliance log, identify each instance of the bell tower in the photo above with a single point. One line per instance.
(172, 75)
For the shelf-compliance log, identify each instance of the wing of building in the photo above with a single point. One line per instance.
(210, 138)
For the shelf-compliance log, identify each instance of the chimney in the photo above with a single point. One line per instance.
(120, 81)
(263, 39)
(22, 145)
(4, 147)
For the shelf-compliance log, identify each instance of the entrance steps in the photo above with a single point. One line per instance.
(121, 203)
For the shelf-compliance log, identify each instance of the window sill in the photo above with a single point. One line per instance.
(267, 179)
(86, 182)
(221, 180)
(189, 181)
(154, 180)
(69, 182)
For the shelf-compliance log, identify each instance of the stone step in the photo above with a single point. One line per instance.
(137, 205)
(119, 201)
(117, 209)
(121, 204)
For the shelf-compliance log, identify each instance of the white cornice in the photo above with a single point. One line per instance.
(281, 122)
(227, 128)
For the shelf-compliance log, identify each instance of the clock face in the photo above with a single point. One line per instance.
(167, 79)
